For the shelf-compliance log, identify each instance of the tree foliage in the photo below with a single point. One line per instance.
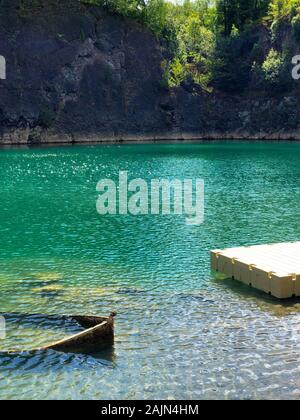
(240, 13)
(212, 42)
(283, 9)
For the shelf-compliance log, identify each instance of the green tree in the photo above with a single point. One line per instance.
(239, 13)
(281, 9)
(210, 42)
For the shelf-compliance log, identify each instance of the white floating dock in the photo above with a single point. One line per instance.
(274, 269)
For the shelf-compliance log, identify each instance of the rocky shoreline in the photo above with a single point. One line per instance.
(87, 76)
(136, 139)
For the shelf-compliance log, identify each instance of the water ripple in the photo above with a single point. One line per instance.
(180, 333)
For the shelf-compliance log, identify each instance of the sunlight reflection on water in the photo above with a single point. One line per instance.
(180, 333)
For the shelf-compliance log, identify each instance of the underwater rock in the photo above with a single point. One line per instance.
(128, 291)
(47, 277)
(48, 289)
(196, 296)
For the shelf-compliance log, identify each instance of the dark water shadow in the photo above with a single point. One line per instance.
(265, 302)
(46, 361)
(43, 322)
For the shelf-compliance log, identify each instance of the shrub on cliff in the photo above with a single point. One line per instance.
(274, 74)
(273, 66)
(213, 44)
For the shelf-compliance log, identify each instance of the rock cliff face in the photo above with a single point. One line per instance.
(75, 73)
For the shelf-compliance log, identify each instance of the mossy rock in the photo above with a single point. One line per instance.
(48, 277)
(48, 289)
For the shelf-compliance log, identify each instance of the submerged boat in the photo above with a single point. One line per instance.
(98, 333)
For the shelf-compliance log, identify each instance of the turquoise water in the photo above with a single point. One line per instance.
(180, 333)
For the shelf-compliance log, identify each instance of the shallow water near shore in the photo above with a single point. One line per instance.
(180, 332)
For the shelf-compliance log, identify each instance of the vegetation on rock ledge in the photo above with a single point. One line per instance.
(229, 45)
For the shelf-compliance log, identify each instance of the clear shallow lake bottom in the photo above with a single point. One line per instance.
(180, 332)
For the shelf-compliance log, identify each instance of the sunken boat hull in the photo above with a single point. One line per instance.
(96, 337)
(98, 334)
